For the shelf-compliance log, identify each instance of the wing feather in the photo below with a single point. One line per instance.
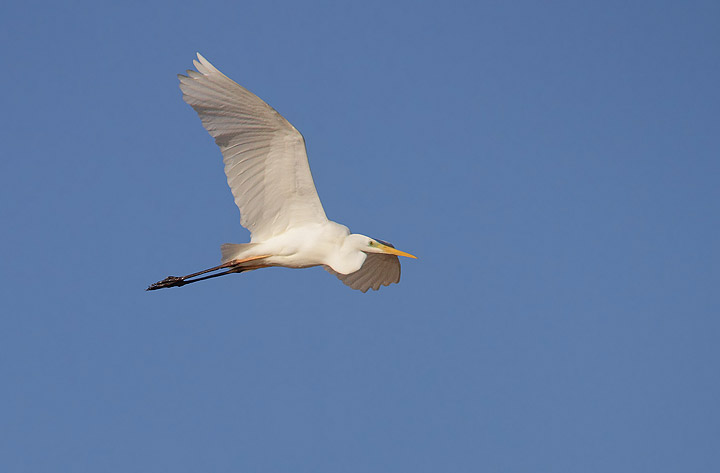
(265, 159)
(377, 270)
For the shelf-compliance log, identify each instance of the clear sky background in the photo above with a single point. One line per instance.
(555, 166)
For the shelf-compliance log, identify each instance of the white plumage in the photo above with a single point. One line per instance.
(265, 160)
(268, 173)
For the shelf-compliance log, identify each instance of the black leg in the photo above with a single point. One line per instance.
(236, 266)
(172, 281)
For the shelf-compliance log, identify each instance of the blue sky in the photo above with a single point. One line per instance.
(554, 165)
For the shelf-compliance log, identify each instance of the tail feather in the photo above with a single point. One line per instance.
(231, 251)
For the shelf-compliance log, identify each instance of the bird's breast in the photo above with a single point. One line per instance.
(347, 262)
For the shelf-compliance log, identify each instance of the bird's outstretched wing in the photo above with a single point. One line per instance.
(377, 270)
(265, 158)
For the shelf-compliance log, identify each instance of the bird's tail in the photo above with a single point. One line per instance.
(231, 251)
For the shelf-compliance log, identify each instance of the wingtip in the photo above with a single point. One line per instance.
(204, 66)
(202, 60)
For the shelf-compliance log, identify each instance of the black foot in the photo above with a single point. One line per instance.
(170, 281)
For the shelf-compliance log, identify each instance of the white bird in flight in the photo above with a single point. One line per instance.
(268, 173)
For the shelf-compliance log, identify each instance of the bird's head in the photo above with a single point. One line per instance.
(372, 245)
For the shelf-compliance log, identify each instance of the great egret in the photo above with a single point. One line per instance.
(268, 172)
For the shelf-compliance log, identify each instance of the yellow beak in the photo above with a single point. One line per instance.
(392, 251)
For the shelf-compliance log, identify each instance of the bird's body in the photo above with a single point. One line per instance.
(309, 245)
(269, 175)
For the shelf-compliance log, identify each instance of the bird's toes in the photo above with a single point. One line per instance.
(169, 281)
